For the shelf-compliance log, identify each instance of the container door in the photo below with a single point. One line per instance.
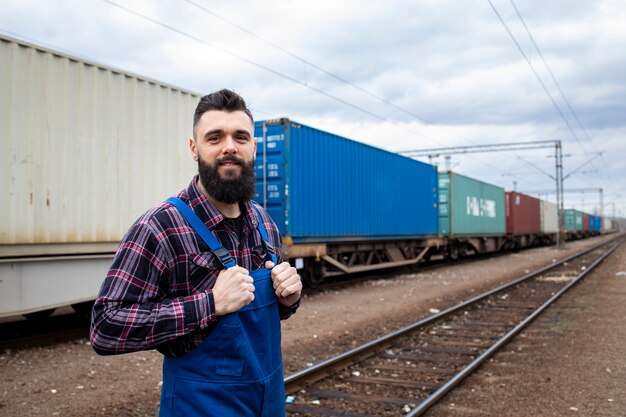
(270, 171)
(444, 204)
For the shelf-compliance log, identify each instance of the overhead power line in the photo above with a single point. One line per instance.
(545, 63)
(268, 69)
(532, 67)
(287, 77)
(309, 63)
(323, 70)
(532, 39)
(256, 64)
(587, 155)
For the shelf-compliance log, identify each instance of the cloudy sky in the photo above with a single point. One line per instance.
(399, 75)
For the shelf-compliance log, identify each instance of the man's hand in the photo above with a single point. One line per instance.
(286, 281)
(233, 290)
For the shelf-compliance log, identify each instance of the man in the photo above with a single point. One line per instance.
(197, 278)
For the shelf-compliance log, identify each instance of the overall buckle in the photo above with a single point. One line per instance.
(223, 255)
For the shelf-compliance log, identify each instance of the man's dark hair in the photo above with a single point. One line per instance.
(223, 100)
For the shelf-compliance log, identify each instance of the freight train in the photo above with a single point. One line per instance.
(343, 207)
(87, 148)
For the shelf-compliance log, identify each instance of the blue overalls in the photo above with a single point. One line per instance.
(237, 371)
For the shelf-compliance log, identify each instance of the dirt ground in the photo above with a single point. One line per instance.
(577, 369)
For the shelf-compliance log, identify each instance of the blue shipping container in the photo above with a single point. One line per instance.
(321, 187)
(595, 223)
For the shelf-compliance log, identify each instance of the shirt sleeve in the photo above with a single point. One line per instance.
(286, 311)
(132, 311)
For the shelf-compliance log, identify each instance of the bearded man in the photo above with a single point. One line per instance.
(200, 278)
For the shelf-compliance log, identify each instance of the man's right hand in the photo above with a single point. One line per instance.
(233, 290)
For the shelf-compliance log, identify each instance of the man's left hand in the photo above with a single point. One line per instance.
(286, 281)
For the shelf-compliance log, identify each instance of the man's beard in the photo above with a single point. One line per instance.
(238, 189)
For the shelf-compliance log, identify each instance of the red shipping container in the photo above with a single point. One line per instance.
(523, 213)
(585, 222)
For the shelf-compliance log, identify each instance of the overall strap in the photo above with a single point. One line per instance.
(266, 241)
(200, 228)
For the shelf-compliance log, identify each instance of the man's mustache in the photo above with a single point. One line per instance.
(230, 159)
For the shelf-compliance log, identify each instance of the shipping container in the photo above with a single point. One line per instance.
(320, 187)
(607, 224)
(572, 220)
(85, 150)
(549, 217)
(523, 213)
(585, 222)
(595, 223)
(468, 207)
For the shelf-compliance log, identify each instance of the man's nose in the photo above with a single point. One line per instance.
(230, 145)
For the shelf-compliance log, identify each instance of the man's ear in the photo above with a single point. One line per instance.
(193, 148)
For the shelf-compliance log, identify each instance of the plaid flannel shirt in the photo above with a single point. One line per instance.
(158, 292)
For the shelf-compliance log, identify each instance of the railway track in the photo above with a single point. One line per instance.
(406, 372)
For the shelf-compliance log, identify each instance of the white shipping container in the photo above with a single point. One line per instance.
(549, 217)
(607, 224)
(85, 150)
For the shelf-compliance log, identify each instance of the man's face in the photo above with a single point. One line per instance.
(224, 147)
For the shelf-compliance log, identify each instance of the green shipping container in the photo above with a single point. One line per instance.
(468, 207)
(572, 220)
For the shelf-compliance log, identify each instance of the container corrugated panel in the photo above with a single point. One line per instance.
(523, 213)
(319, 187)
(572, 220)
(595, 223)
(469, 207)
(598, 224)
(549, 217)
(607, 224)
(85, 148)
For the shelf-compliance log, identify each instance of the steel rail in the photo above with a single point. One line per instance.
(458, 377)
(294, 381)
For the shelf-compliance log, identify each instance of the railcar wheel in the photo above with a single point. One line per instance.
(452, 254)
(311, 279)
(463, 249)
